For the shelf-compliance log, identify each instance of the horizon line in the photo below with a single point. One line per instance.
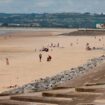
(48, 12)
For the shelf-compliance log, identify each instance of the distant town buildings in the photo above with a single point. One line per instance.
(53, 20)
(100, 26)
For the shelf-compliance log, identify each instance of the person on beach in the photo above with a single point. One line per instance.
(40, 57)
(87, 44)
(35, 50)
(51, 44)
(49, 58)
(71, 44)
(7, 61)
(99, 39)
(58, 45)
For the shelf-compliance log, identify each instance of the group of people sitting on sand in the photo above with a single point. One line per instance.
(48, 58)
(54, 45)
(88, 47)
(93, 48)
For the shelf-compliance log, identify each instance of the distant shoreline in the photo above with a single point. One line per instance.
(7, 30)
(61, 31)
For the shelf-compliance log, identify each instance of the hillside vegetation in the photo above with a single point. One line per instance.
(61, 20)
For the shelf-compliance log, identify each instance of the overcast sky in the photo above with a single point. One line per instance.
(52, 6)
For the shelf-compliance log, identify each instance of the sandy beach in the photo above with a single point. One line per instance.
(23, 48)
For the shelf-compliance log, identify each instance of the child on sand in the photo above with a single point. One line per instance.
(40, 57)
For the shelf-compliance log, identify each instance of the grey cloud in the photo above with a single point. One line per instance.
(40, 6)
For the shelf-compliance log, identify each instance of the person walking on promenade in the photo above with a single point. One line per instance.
(40, 57)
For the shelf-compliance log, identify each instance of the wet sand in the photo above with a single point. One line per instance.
(24, 62)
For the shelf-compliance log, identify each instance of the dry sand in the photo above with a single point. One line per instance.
(24, 61)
